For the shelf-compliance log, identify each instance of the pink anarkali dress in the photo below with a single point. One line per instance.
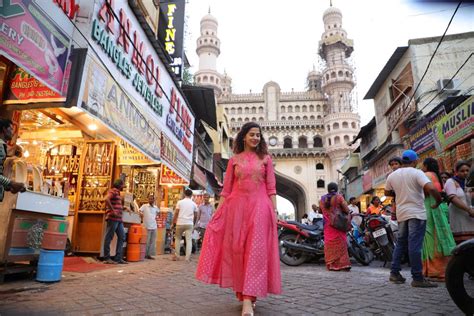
(240, 248)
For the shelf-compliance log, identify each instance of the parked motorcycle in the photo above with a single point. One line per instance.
(379, 236)
(459, 271)
(300, 242)
(356, 245)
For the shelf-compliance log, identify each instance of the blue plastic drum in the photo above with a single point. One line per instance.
(50, 265)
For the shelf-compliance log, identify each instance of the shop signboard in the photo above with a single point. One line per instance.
(171, 32)
(199, 176)
(355, 188)
(455, 127)
(36, 35)
(169, 177)
(173, 158)
(24, 88)
(367, 181)
(128, 155)
(104, 99)
(381, 169)
(123, 47)
(420, 137)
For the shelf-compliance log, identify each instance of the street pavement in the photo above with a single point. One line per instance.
(165, 287)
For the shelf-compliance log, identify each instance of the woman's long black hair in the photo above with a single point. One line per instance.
(431, 164)
(262, 148)
(332, 190)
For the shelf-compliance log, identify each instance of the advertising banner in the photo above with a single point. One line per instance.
(24, 88)
(367, 181)
(104, 99)
(455, 127)
(128, 155)
(36, 35)
(421, 138)
(171, 32)
(117, 39)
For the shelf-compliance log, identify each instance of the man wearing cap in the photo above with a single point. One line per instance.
(410, 186)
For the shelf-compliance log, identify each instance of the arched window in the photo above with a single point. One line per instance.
(340, 73)
(212, 78)
(204, 79)
(232, 120)
(304, 108)
(346, 139)
(345, 125)
(297, 118)
(311, 117)
(239, 119)
(335, 126)
(282, 109)
(348, 74)
(246, 119)
(290, 118)
(327, 77)
(311, 108)
(305, 117)
(318, 108)
(260, 118)
(319, 166)
(319, 117)
(239, 110)
(302, 142)
(246, 110)
(254, 110)
(353, 125)
(333, 75)
(297, 108)
(317, 142)
(320, 183)
(260, 109)
(290, 109)
(254, 119)
(232, 111)
(287, 142)
(283, 118)
(337, 140)
(328, 128)
(199, 79)
(329, 141)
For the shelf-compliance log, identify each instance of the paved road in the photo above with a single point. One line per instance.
(165, 287)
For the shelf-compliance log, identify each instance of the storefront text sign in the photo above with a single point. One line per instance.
(128, 155)
(455, 127)
(199, 176)
(36, 35)
(380, 170)
(104, 99)
(169, 177)
(171, 32)
(123, 47)
(171, 156)
(24, 88)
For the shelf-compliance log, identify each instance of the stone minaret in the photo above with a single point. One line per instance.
(340, 122)
(208, 49)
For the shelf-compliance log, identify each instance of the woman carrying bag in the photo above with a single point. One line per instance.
(336, 221)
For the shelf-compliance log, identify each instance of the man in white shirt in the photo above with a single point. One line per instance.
(205, 212)
(313, 214)
(354, 209)
(149, 212)
(184, 219)
(410, 186)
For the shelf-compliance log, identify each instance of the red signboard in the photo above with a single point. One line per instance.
(168, 176)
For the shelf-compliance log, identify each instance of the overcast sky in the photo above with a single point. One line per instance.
(263, 40)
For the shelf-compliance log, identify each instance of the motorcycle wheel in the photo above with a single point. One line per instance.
(360, 253)
(456, 270)
(387, 251)
(288, 256)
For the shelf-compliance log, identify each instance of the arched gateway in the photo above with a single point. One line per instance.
(292, 191)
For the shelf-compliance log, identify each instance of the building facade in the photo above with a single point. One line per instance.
(308, 132)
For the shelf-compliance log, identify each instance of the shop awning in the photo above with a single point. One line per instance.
(203, 103)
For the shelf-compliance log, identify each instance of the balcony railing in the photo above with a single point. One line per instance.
(282, 124)
(298, 152)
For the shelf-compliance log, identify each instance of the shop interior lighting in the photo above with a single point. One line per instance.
(26, 154)
(35, 142)
(92, 127)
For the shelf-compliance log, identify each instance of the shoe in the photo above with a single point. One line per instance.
(423, 283)
(121, 261)
(150, 257)
(397, 278)
(109, 261)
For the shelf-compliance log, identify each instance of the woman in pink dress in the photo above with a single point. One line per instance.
(240, 248)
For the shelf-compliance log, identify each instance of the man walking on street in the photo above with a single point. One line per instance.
(184, 219)
(113, 219)
(149, 211)
(409, 184)
(354, 209)
(204, 215)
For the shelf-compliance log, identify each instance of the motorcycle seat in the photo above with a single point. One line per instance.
(307, 227)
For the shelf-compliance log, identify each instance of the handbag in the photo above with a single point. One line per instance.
(337, 218)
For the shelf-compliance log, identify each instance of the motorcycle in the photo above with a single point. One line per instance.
(300, 242)
(379, 236)
(461, 263)
(356, 245)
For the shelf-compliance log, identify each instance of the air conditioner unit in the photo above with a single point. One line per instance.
(448, 86)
